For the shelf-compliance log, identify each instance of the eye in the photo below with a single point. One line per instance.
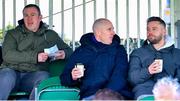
(33, 14)
(154, 29)
(110, 29)
(25, 15)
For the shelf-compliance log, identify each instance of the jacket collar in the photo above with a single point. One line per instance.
(42, 28)
(90, 41)
(168, 42)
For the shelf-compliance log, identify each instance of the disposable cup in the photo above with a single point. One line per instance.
(160, 62)
(81, 68)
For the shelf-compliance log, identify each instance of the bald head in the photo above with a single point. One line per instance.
(100, 23)
(103, 31)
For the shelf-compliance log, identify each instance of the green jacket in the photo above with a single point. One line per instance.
(21, 47)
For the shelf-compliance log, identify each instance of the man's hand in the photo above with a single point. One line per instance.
(60, 54)
(154, 68)
(42, 57)
(76, 73)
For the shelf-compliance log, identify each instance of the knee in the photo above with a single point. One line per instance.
(7, 74)
(41, 75)
(7, 77)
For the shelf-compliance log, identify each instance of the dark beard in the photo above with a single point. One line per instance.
(155, 41)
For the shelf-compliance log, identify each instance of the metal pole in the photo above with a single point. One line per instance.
(105, 9)
(37, 2)
(149, 8)
(3, 17)
(117, 17)
(14, 12)
(95, 13)
(50, 14)
(138, 24)
(127, 20)
(84, 16)
(73, 24)
(62, 19)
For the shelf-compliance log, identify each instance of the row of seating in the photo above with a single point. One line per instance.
(51, 89)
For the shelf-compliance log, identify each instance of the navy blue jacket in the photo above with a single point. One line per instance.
(106, 66)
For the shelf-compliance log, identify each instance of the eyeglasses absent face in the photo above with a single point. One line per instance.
(31, 18)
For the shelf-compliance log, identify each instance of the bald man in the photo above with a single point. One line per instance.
(104, 59)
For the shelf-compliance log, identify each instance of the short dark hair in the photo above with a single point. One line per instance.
(154, 18)
(33, 5)
(107, 94)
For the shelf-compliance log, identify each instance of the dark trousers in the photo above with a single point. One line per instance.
(11, 80)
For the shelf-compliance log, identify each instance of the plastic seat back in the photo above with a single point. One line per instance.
(51, 89)
(145, 98)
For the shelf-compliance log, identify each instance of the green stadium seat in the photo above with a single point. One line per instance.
(51, 89)
(146, 98)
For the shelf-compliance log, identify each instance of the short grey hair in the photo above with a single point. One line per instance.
(99, 22)
(168, 82)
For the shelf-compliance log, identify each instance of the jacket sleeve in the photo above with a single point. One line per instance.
(118, 80)
(176, 55)
(65, 77)
(137, 73)
(61, 44)
(14, 56)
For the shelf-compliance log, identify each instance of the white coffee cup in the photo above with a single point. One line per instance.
(81, 68)
(160, 62)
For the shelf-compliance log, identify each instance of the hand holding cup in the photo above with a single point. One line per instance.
(156, 66)
(78, 71)
(160, 63)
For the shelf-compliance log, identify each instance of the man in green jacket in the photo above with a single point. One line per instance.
(25, 60)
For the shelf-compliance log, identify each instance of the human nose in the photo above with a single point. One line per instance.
(29, 17)
(113, 32)
(149, 32)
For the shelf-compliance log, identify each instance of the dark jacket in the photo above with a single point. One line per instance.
(106, 66)
(140, 59)
(21, 47)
